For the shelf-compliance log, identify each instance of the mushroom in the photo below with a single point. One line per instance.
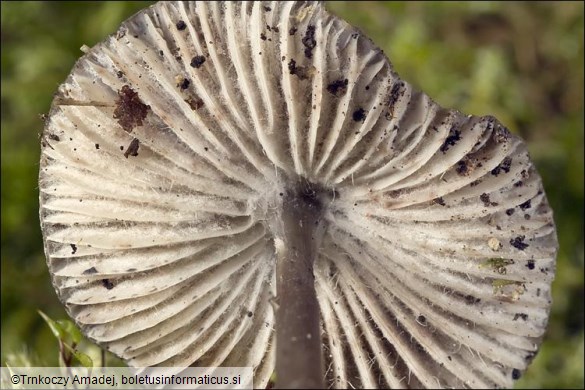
(251, 184)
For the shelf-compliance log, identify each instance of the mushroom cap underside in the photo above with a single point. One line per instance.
(165, 159)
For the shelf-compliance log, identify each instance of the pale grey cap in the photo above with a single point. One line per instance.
(167, 152)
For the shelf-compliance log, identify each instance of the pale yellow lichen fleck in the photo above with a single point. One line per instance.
(494, 244)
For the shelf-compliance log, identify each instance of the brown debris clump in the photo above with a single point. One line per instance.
(130, 110)
(132, 149)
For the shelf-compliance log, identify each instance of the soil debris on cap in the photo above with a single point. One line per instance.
(197, 61)
(309, 41)
(132, 149)
(338, 87)
(130, 110)
(302, 72)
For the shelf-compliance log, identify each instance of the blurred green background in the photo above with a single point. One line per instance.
(519, 61)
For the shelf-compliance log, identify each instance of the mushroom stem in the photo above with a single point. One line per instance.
(298, 335)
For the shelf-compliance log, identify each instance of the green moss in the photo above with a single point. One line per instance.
(497, 264)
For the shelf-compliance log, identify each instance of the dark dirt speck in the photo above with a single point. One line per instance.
(185, 84)
(504, 166)
(501, 134)
(292, 66)
(300, 71)
(451, 140)
(73, 248)
(518, 243)
(526, 205)
(395, 93)
(462, 168)
(485, 198)
(107, 283)
(132, 149)
(195, 103)
(522, 316)
(181, 25)
(90, 271)
(130, 110)
(359, 115)
(197, 61)
(338, 87)
(309, 41)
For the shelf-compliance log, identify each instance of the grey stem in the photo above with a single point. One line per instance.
(298, 336)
